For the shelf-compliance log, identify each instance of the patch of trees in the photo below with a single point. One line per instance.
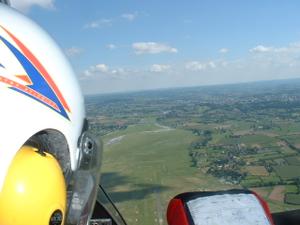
(289, 144)
(206, 136)
(229, 175)
(102, 129)
(199, 132)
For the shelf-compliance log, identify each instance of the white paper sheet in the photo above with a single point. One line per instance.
(228, 209)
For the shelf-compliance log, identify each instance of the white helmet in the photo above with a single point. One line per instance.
(42, 107)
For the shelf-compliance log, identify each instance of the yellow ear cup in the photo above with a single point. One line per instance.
(34, 191)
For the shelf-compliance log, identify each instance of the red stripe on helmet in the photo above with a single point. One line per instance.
(39, 67)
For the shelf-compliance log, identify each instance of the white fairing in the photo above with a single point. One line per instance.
(24, 108)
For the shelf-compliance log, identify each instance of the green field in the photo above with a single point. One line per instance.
(292, 198)
(148, 164)
(148, 167)
(288, 172)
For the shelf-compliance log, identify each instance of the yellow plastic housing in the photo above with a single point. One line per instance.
(33, 190)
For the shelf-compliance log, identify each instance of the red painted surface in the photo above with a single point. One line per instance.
(176, 214)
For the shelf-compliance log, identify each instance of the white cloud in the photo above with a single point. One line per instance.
(261, 49)
(224, 50)
(286, 55)
(99, 24)
(118, 71)
(152, 48)
(129, 16)
(199, 66)
(291, 48)
(25, 5)
(103, 71)
(111, 46)
(102, 68)
(264, 63)
(276, 58)
(95, 70)
(73, 51)
(195, 66)
(211, 64)
(158, 68)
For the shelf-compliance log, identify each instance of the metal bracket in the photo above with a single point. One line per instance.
(100, 222)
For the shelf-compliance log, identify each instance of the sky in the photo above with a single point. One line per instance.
(129, 45)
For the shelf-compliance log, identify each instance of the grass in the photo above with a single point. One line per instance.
(287, 172)
(248, 140)
(257, 170)
(293, 161)
(291, 188)
(150, 165)
(293, 139)
(292, 198)
(146, 169)
(251, 182)
(289, 127)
